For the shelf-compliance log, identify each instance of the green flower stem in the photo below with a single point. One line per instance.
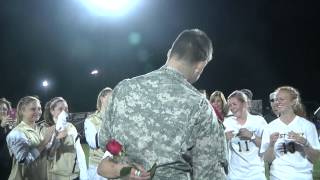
(153, 170)
(125, 171)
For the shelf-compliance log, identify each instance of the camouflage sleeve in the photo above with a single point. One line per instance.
(105, 132)
(209, 144)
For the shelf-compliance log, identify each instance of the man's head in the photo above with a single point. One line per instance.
(190, 53)
(272, 99)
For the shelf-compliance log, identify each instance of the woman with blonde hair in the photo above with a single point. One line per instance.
(92, 126)
(243, 132)
(290, 142)
(26, 143)
(66, 158)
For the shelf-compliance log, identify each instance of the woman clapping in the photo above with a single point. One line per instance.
(26, 144)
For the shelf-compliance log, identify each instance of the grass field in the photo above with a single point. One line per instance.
(316, 167)
(316, 170)
(85, 148)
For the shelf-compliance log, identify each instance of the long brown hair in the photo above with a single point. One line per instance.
(48, 118)
(220, 95)
(6, 102)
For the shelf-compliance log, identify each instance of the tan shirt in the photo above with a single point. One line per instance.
(28, 163)
(62, 165)
(92, 125)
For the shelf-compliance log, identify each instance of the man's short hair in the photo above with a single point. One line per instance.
(272, 96)
(192, 45)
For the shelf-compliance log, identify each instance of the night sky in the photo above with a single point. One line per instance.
(259, 44)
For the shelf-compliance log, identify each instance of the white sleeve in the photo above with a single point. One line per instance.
(19, 147)
(106, 154)
(90, 132)
(81, 160)
(265, 141)
(262, 124)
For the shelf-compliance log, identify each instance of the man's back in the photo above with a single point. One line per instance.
(159, 117)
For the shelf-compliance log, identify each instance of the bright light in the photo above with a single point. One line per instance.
(45, 83)
(94, 72)
(110, 7)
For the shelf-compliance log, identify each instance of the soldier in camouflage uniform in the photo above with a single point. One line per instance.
(160, 117)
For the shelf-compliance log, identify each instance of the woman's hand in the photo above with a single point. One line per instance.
(62, 134)
(245, 134)
(273, 138)
(48, 135)
(46, 138)
(229, 135)
(6, 120)
(297, 138)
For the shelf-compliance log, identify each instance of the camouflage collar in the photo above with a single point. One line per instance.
(178, 75)
(173, 72)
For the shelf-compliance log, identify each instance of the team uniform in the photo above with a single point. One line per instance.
(91, 126)
(28, 163)
(69, 159)
(290, 161)
(244, 160)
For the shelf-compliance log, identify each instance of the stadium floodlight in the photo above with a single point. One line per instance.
(45, 83)
(110, 7)
(94, 72)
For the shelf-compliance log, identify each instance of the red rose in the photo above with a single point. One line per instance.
(114, 147)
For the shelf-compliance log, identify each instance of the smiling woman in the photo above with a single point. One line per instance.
(290, 142)
(27, 144)
(243, 132)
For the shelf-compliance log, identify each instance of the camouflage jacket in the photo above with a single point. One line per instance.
(160, 117)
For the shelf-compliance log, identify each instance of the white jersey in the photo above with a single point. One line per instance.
(244, 159)
(290, 162)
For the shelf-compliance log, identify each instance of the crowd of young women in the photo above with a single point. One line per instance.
(52, 149)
